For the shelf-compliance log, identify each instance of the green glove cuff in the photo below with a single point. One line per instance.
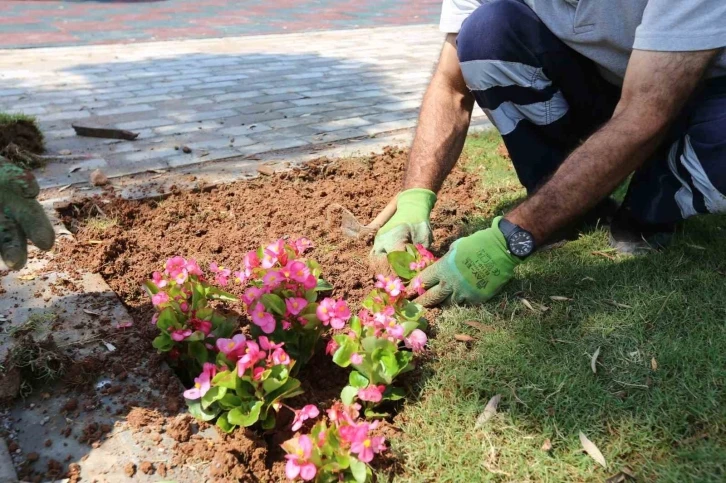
(416, 201)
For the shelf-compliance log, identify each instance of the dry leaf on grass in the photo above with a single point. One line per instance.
(593, 361)
(654, 364)
(592, 450)
(489, 411)
(618, 304)
(527, 304)
(463, 338)
(547, 445)
(626, 474)
(32, 276)
(559, 298)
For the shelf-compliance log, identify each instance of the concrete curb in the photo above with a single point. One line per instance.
(7, 470)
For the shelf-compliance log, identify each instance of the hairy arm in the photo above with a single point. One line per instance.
(656, 86)
(442, 123)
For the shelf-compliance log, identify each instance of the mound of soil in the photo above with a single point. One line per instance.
(221, 225)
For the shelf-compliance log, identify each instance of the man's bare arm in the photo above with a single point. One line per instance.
(442, 123)
(656, 86)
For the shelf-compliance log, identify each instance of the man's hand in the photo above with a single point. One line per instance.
(410, 224)
(473, 271)
(21, 216)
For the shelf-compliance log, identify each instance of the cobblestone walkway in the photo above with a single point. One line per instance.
(52, 23)
(221, 98)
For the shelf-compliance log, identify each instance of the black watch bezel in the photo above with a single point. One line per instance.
(509, 230)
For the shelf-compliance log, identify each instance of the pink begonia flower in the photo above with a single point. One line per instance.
(392, 285)
(395, 330)
(416, 266)
(339, 412)
(251, 295)
(257, 373)
(331, 347)
(154, 318)
(252, 355)
(250, 261)
(286, 325)
(180, 334)
(297, 462)
(275, 252)
(160, 298)
(417, 286)
(239, 277)
(193, 268)
(372, 393)
(416, 340)
(232, 348)
(361, 442)
(424, 253)
(158, 280)
(263, 319)
(384, 317)
(267, 345)
(297, 271)
(184, 307)
(279, 356)
(203, 325)
(307, 412)
(203, 383)
(333, 312)
(356, 359)
(272, 279)
(221, 274)
(176, 268)
(295, 305)
(301, 245)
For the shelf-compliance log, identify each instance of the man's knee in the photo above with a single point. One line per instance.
(704, 157)
(489, 32)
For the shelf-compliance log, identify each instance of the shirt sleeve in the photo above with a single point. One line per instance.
(682, 25)
(454, 12)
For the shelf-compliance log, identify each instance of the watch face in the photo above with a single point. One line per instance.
(521, 244)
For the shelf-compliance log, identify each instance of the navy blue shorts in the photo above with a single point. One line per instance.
(545, 99)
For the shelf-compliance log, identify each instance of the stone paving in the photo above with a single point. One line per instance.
(221, 98)
(52, 23)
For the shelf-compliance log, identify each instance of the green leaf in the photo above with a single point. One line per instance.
(273, 303)
(151, 288)
(199, 298)
(372, 414)
(355, 325)
(404, 359)
(277, 378)
(224, 425)
(196, 336)
(213, 395)
(223, 327)
(291, 388)
(348, 395)
(411, 311)
(167, 318)
(347, 348)
(370, 344)
(245, 415)
(400, 263)
(358, 468)
(217, 294)
(229, 401)
(269, 421)
(197, 351)
(357, 380)
(389, 366)
(163, 342)
(323, 286)
(226, 379)
(196, 410)
(394, 393)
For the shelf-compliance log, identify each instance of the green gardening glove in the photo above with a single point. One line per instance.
(410, 224)
(21, 216)
(473, 271)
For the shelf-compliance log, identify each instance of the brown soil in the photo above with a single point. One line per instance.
(221, 225)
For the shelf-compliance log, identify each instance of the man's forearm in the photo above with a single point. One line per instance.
(442, 126)
(656, 86)
(590, 174)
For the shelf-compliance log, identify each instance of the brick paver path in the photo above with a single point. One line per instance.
(220, 97)
(52, 23)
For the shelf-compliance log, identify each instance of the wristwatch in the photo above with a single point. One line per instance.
(520, 242)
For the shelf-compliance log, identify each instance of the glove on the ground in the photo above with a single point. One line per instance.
(21, 216)
(473, 271)
(410, 223)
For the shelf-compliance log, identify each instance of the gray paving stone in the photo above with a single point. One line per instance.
(125, 110)
(144, 123)
(64, 115)
(205, 115)
(187, 127)
(341, 124)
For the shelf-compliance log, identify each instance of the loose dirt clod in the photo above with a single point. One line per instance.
(147, 468)
(130, 469)
(98, 178)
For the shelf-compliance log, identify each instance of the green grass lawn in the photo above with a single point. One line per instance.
(656, 403)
